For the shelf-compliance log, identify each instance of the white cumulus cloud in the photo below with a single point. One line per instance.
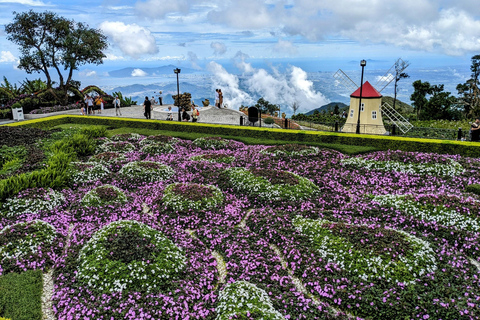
(6, 57)
(33, 3)
(158, 9)
(132, 39)
(139, 73)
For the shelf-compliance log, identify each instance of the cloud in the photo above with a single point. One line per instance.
(219, 48)
(158, 9)
(239, 61)
(6, 57)
(88, 73)
(230, 85)
(132, 39)
(285, 47)
(193, 60)
(113, 57)
(451, 27)
(139, 73)
(32, 3)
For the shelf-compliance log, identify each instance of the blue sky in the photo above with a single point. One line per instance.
(226, 37)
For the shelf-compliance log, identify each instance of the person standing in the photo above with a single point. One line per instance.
(89, 102)
(147, 108)
(195, 113)
(217, 97)
(474, 130)
(152, 101)
(116, 105)
(160, 98)
(220, 98)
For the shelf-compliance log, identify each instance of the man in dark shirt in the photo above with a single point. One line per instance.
(475, 130)
(147, 108)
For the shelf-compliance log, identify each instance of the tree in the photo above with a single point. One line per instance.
(48, 41)
(400, 65)
(336, 109)
(266, 107)
(419, 95)
(295, 107)
(469, 91)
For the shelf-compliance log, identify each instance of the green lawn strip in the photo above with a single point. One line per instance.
(21, 295)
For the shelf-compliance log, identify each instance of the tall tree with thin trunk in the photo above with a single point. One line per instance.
(52, 44)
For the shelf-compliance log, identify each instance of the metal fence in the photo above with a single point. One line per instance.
(389, 129)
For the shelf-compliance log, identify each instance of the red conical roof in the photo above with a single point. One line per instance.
(368, 91)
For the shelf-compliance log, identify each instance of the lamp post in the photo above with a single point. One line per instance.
(177, 71)
(363, 63)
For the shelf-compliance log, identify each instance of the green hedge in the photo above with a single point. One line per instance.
(20, 295)
(464, 148)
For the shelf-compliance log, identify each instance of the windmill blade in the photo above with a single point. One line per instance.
(345, 80)
(398, 67)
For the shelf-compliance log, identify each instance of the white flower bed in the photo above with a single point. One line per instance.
(451, 170)
(93, 199)
(241, 299)
(115, 146)
(180, 202)
(99, 271)
(367, 264)
(94, 171)
(147, 171)
(32, 201)
(439, 214)
(36, 233)
(244, 181)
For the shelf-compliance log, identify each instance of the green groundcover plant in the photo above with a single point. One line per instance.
(129, 255)
(184, 196)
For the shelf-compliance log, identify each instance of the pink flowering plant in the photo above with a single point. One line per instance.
(387, 235)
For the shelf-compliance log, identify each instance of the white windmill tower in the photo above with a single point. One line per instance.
(366, 107)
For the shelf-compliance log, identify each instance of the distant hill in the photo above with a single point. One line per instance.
(149, 72)
(329, 107)
(400, 106)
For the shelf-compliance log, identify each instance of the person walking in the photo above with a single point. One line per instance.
(217, 97)
(116, 105)
(147, 108)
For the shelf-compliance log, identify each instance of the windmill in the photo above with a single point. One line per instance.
(372, 109)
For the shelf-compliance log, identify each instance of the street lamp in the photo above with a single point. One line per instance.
(177, 71)
(363, 63)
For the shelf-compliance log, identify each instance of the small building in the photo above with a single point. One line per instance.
(371, 121)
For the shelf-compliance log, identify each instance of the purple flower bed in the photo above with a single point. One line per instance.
(244, 238)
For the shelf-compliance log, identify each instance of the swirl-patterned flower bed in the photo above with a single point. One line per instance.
(164, 228)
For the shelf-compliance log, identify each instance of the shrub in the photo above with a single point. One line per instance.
(473, 188)
(94, 131)
(20, 296)
(184, 196)
(129, 256)
(269, 120)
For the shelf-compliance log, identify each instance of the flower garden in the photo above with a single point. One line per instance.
(164, 228)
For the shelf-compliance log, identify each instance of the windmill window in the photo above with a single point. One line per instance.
(363, 107)
(374, 115)
(351, 113)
